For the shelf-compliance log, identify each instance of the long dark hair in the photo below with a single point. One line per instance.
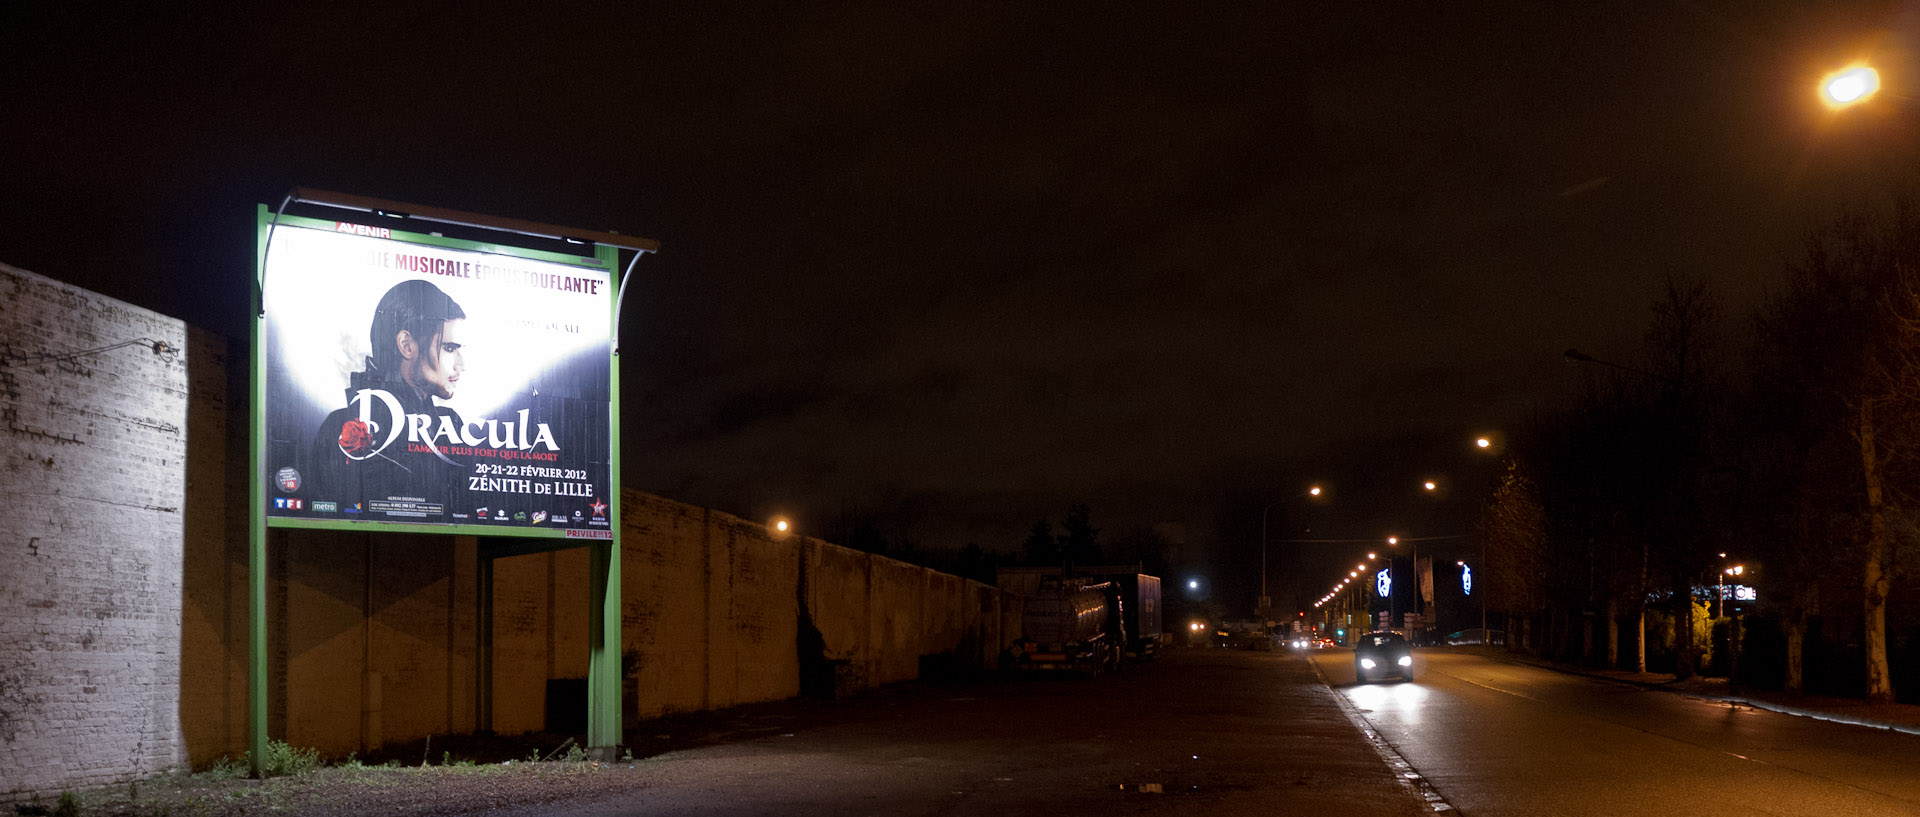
(419, 308)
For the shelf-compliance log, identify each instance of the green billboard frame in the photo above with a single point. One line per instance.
(604, 681)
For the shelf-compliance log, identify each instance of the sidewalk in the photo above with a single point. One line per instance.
(1897, 717)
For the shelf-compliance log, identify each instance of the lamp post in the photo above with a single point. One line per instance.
(1394, 541)
(1266, 602)
(1640, 603)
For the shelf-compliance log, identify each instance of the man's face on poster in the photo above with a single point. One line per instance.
(433, 366)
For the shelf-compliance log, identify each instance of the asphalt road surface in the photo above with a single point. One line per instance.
(1214, 732)
(1232, 732)
(1496, 738)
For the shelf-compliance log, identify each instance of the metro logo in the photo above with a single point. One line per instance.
(361, 229)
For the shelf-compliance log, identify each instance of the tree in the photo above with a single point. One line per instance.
(1145, 546)
(1684, 432)
(1843, 331)
(977, 564)
(1041, 548)
(1080, 542)
(1512, 526)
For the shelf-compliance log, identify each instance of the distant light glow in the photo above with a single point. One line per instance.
(1849, 85)
(1483, 442)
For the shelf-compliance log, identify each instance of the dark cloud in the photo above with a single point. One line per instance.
(955, 268)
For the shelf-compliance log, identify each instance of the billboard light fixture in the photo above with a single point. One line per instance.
(382, 207)
(458, 218)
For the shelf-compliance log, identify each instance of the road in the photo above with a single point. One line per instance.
(1225, 733)
(1220, 733)
(1497, 738)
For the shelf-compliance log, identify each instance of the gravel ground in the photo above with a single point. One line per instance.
(468, 774)
(346, 790)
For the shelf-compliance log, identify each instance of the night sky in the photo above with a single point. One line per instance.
(953, 268)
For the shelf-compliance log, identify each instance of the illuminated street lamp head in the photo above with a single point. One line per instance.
(780, 527)
(1482, 442)
(1850, 85)
(1429, 485)
(1373, 556)
(1393, 540)
(1314, 491)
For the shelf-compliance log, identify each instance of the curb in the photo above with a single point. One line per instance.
(1403, 771)
(1770, 706)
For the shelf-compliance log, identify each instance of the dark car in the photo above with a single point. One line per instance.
(1381, 654)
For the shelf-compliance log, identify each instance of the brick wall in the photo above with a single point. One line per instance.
(92, 466)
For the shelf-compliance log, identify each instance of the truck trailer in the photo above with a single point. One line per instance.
(1072, 625)
(1135, 595)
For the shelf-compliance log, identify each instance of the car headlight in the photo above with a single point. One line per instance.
(1406, 660)
(1366, 663)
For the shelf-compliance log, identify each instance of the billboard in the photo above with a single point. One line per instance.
(416, 380)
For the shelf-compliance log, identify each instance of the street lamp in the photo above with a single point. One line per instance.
(1265, 602)
(1413, 548)
(1849, 86)
(1577, 356)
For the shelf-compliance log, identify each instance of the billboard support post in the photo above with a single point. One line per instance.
(525, 445)
(257, 526)
(605, 680)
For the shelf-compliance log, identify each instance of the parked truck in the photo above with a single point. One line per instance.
(1072, 624)
(1134, 595)
(1140, 612)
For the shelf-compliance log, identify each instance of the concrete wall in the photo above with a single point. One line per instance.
(92, 468)
(124, 576)
(372, 638)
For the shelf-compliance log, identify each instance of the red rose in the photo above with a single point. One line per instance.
(355, 439)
